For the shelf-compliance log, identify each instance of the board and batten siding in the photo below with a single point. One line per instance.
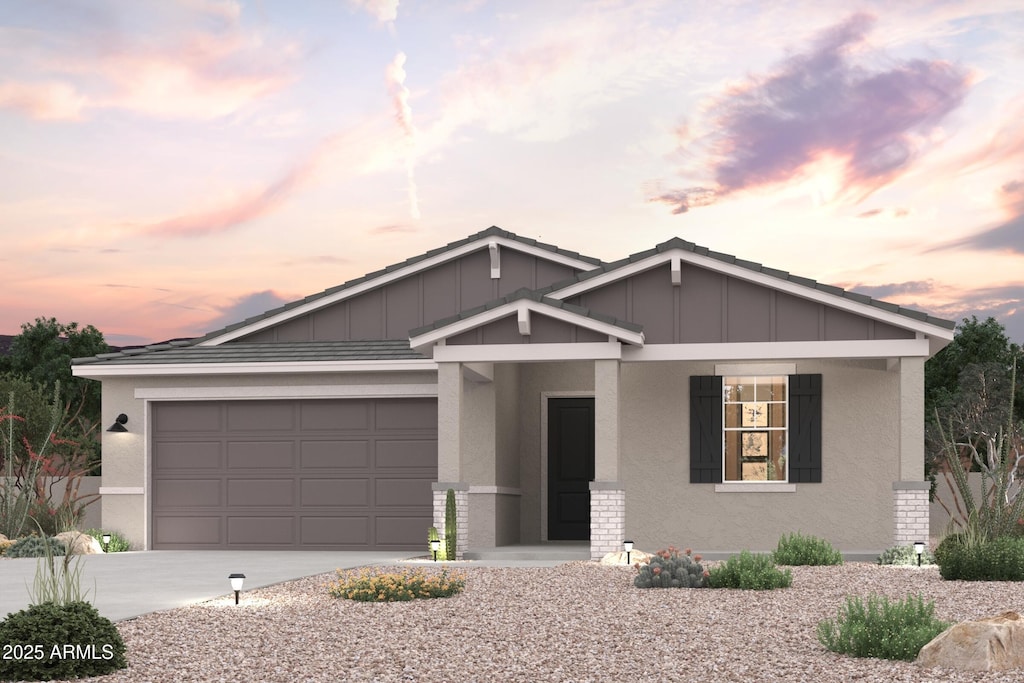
(710, 307)
(390, 311)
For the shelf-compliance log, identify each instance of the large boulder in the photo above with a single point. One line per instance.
(992, 644)
(619, 558)
(78, 543)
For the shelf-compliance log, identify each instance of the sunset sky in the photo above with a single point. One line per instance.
(171, 166)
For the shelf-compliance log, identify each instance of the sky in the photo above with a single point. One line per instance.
(170, 167)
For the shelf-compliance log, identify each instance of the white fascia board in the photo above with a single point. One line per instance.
(766, 351)
(396, 274)
(520, 308)
(287, 392)
(516, 353)
(742, 273)
(266, 368)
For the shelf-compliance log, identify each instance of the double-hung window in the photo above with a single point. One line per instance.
(755, 428)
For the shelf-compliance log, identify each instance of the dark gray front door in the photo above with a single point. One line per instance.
(570, 467)
(339, 474)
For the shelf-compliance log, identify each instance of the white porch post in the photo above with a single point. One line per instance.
(910, 491)
(449, 453)
(607, 496)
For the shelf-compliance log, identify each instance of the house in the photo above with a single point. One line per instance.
(676, 396)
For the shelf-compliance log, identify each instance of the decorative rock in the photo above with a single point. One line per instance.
(78, 543)
(4, 538)
(619, 558)
(993, 644)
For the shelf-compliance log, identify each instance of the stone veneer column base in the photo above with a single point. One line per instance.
(607, 518)
(440, 489)
(910, 511)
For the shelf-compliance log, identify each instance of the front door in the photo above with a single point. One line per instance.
(570, 467)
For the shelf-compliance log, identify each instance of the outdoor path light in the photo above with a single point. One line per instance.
(919, 549)
(628, 547)
(106, 541)
(236, 584)
(434, 545)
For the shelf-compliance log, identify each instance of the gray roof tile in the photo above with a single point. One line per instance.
(260, 352)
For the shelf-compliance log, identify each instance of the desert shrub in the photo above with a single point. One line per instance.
(5, 544)
(965, 557)
(904, 555)
(672, 569)
(118, 543)
(59, 642)
(369, 585)
(880, 628)
(797, 549)
(36, 546)
(750, 571)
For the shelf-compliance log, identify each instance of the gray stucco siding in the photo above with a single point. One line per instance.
(851, 507)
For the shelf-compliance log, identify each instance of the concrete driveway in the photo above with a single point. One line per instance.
(125, 585)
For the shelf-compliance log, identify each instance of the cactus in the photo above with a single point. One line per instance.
(672, 569)
(449, 526)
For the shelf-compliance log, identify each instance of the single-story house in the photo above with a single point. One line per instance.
(677, 396)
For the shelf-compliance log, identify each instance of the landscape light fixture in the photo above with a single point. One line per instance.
(236, 584)
(628, 547)
(106, 541)
(435, 545)
(119, 424)
(919, 549)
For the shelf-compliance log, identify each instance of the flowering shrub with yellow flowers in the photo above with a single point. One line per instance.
(374, 585)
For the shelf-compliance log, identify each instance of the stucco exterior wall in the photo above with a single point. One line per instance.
(852, 506)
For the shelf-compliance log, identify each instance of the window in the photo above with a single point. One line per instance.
(756, 430)
(783, 425)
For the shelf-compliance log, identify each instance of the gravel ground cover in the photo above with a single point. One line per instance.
(575, 622)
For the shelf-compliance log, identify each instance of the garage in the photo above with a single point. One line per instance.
(323, 474)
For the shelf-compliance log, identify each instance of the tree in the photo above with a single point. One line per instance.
(975, 343)
(42, 353)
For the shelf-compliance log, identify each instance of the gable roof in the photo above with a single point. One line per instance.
(394, 272)
(752, 271)
(526, 300)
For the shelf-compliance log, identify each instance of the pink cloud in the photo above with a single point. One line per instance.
(817, 104)
(395, 78)
(51, 101)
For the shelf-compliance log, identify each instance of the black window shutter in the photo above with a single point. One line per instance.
(705, 430)
(805, 429)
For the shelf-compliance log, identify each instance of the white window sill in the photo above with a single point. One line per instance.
(755, 488)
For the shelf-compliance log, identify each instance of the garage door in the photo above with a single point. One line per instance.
(317, 474)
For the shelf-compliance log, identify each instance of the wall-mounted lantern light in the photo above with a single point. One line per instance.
(119, 424)
(919, 549)
(236, 584)
(628, 547)
(435, 545)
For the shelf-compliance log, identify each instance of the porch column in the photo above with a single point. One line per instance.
(449, 454)
(910, 492)
(607, 495)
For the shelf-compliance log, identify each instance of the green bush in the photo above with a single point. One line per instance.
(904, 555)
(964, 557)
(750, 571)
(370, 585)
(797, 549)
(118, 543)
(672, 569)
(51, 641)
(881, 629)
(36, 546)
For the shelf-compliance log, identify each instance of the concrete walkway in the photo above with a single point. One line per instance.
(126, 585)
